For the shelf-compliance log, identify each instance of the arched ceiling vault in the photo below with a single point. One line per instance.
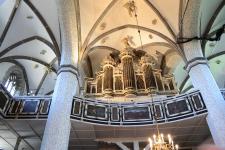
(30, 34)
(208, 30)
(30, 39)
(109, 10)
(104, 28)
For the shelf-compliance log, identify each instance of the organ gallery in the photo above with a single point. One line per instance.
(130, 72)
(112, 74)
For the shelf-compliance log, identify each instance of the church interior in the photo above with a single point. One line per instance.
(112, 74)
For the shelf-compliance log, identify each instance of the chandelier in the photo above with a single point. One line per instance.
(157, 142)
(160, 143)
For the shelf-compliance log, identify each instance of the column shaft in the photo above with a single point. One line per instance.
(57, 129)
(203, 80)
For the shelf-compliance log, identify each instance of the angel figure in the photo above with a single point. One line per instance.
(130, 6)
(126, 42)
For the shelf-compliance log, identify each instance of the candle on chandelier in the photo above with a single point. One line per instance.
(154, 137)
(150, 143)
(162, 137)
(170, 139)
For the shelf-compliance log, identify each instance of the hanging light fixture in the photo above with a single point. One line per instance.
(159, 141)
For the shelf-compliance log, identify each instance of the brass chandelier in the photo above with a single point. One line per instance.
(159, 141)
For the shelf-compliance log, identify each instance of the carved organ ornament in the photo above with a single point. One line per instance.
(130, 75)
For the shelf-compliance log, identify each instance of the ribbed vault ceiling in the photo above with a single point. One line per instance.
(30, 35)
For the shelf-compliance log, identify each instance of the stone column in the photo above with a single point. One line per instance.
(57, 129)
(201, 75)
(108, 65)
(128, 70)
(203, 80)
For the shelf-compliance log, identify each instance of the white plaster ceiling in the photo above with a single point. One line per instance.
(33, 73)
(116, 23)
(22, 27)
(90, 12)
(48, 84)
(28, 39)
(217, 66)
(119, 16)
(32, 49)
(48, 10)
(5, 11)
(170, 10)
(114, 40)
(207, 10)
(103, 23)
(180, 73)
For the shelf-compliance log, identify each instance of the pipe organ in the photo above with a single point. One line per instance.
(126, 57)
(130, 74)
(108, 65)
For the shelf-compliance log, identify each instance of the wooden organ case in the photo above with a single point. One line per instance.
(131, 75)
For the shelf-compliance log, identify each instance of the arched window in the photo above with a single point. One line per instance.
(14, 81)
(11, 83)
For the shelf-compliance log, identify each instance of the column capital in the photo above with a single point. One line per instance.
(194, 62)
(68, 68)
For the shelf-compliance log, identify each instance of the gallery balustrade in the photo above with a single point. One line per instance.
(100, 112)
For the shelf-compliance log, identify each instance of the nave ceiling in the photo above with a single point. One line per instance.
(30, 36)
